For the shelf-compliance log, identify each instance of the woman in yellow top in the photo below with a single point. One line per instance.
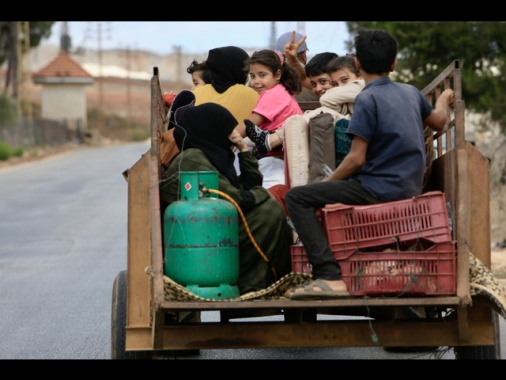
(227, 86)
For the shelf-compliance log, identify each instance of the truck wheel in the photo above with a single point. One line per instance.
(118, 326)
(118, 321)
(482, 352)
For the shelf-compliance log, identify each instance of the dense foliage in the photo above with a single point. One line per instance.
(38, 31)
(13, 42)
(426, 48)
(8, 110)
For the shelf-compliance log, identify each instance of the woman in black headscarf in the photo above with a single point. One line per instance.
(227, 67)
(205, 135)
(227, 86)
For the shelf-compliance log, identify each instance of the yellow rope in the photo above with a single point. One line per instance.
(243, 218)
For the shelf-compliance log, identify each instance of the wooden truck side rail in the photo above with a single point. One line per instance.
(452, 168)
(457, 169)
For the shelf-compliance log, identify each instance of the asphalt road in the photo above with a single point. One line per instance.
(63, 241)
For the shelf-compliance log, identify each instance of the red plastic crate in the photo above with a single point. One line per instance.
(423, 218)
(431, 272)
(300, 263)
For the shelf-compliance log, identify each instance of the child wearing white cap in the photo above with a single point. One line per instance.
(296, 57)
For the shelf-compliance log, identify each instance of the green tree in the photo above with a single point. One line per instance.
(9, 33)
(38, 30)
(426, 48)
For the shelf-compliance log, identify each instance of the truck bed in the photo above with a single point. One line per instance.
(145, 321)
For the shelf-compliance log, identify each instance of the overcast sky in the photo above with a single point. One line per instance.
(198, 36)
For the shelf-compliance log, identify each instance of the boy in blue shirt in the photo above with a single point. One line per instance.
(386, 161)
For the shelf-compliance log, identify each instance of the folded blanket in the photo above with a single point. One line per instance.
(177, 292)
(485, 286)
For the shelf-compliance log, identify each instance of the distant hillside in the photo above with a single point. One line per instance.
(136, 64)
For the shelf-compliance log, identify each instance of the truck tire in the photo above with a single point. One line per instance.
(118, 327)
(482, 352)
(118, 321)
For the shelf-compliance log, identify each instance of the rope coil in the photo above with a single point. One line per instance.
(243, 218)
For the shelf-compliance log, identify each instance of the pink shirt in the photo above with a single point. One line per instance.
(276, 105)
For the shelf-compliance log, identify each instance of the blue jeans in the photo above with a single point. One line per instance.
(302, 203)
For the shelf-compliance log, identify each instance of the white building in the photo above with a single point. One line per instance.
(63, 95)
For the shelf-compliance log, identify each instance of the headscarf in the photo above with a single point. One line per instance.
(227, 67)
(206, 127)
(182, 99)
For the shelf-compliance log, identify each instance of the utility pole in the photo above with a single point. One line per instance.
(24, 101)
(14, 60)
(18, 84)
(128, 52)
(273, 35)
(100, 83)
(65, 42)
(179, 58)
(301, 27)
(101, 34)
(25, 74)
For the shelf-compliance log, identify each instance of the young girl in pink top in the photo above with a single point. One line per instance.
(276, 83)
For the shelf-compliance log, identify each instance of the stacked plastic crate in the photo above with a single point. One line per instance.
(395, 248)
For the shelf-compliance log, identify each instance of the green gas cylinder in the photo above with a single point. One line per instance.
(201, 239)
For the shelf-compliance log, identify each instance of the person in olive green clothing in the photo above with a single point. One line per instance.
(205, 135)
